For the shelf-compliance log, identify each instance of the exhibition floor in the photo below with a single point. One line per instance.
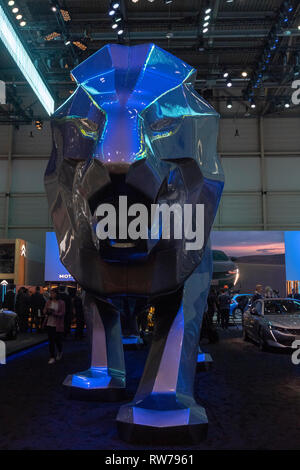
(252, 399)
(24, 341)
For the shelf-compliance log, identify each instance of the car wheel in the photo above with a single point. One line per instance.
(237, 315)
(245, 335)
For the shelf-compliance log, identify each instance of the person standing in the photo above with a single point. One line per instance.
(224, 306)
(64, 295)
(37, 303)
(269, 294)
(54, 312)
(79, 315)
(22, 308)
(9, 300)
(258, 294)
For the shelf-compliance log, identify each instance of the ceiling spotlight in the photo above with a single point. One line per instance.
(111, 12)
(114, 25)
(229, 103)
(286, 104)
(120, 31)
(11, 3)
(244, 74)
(115, 5)
(253, 105)
(168, 1)
(207, 18)
(225, 74)
(205, 30)
(53, 8)
(67, 42)
(19, 17)
(134, 1)
(298, 26)
(23, 23)
(229, 83)
(206, 24)
(15, 10)
(207, 11)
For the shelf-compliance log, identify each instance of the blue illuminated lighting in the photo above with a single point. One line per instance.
(16, 49)
(54, 269)
(16, 355)
(292, 255)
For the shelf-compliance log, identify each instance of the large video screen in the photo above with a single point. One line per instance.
(54, 269)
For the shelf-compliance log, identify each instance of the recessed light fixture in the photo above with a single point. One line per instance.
(23, 23)
(15, 10)
(287, 104)
(229, 103)
(244, 74)
(114, 25)
(207, 11)
(11, 3)
(229, 83)
(205, 30)
(225, 74)
(120, 31)
(19, 17)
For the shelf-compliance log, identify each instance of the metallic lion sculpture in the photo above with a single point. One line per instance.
(136, 127)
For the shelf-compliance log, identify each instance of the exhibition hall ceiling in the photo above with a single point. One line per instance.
(257, 42)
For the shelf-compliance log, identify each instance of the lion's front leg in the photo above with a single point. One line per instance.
(164, 409)
(105, 379)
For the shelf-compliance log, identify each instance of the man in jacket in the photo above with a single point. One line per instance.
(224, 306)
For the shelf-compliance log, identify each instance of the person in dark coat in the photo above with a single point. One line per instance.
(224, 306)
(22, 308)
(37, 303)
(64, 295)
(9, 300)
(258, 294)
(79, 315)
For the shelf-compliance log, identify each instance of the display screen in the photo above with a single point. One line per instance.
(292, 255)
(54, 269)
(7, 258)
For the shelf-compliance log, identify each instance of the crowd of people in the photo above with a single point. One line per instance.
(218, 303)
(51, 311)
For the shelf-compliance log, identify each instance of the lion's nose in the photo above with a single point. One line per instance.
(121, 141)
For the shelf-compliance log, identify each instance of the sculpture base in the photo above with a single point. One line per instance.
(204, 362)
(162, 427)
(132, 342)
(95, 384)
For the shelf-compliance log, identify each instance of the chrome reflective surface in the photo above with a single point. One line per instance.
(136, 127)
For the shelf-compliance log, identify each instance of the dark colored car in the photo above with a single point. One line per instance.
(225, 271)
(272, 323)
(8, 324)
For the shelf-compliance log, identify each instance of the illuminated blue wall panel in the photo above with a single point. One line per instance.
(292, 255)
(54, 269)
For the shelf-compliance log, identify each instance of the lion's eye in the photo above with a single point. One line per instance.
(164, 124)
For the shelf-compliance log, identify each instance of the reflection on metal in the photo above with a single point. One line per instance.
(136, 127)
(2, 352)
